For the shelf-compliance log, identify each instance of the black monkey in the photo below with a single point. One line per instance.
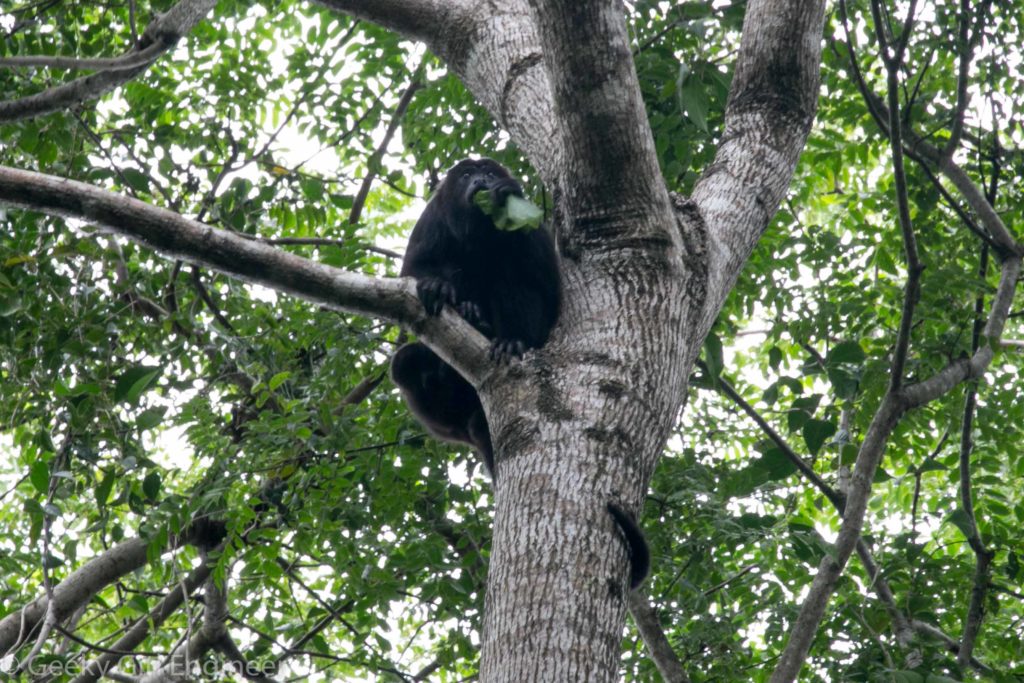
(504, 283)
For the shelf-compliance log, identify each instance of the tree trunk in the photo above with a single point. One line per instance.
(585, 431)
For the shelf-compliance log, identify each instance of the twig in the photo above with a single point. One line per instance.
(893, 63)
(983, 556)
(375, 160)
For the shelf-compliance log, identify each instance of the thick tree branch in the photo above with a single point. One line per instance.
(772, 103)
(422, 20)
(175, 236)
(129, 60)
(160, 36)
(77, 589)
(611, 169)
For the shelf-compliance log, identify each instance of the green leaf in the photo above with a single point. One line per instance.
(816, 432)
(134, 381)
(713, 357)
(961, 521)
(47, 152)
(694, 101)
(846, 352)
(515, 214)
(51, 561)
(150, 418)
(844, 384)
(151, 486)
(137, 180)
(848, 454)
(103, 489)
(9, 305)
(278, 379)
(776, 464)
(932, 466)
(39, 475)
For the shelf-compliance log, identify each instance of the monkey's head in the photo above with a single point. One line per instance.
(464, 180)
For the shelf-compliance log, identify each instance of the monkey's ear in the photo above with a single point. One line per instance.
(515, 213)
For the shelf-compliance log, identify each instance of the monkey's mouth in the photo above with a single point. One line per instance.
(476, 186)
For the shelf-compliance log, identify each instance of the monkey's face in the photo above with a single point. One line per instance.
(467, 178)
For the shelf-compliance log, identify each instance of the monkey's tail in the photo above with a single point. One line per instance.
(639, 553)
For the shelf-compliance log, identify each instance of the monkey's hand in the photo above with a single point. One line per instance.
(434, 293)
(501, 190)
(504, 350)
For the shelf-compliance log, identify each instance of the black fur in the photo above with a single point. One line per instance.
(506, 284)
(639, 554)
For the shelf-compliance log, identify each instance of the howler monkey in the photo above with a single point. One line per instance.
(504, 283)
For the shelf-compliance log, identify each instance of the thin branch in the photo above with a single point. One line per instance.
(645, 617)
(951, 645)
(376, 159)
(207, 298)
(833, 496)
(911, 292)
(962, 80)
(918, 472)
(722, 584)
(905, 33)
(160, 36)
(144, 626)
(129, 60)
(983, 556)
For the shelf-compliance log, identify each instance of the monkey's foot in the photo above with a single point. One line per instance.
(504, 350)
